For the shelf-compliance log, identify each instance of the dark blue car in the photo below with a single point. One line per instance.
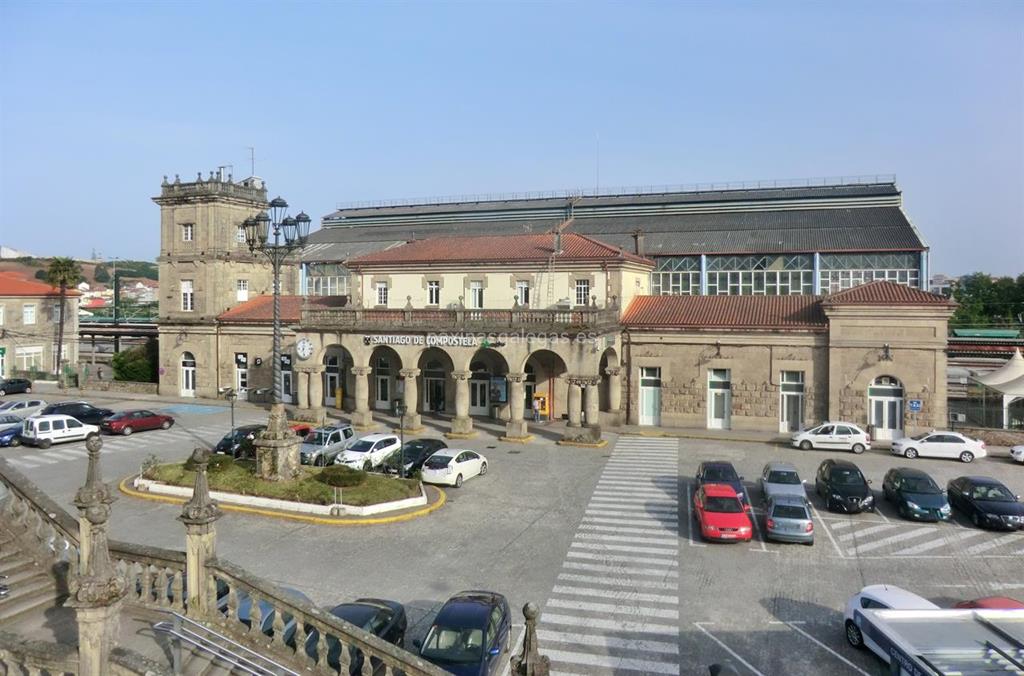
(470, 636)
(721, 472)
(10, 430)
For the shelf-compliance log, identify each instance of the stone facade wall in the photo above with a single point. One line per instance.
(994, 437)
(123, 386)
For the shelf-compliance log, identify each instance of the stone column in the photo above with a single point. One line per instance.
(462, 425)
(516, 428)
(572, 404)
(592, 401)
(530, 662)
(277, 448)
(303, 389)
(199, 515)
(412, 422)
(96, 589)
(614, 374)
(362, 417)
(316, 387)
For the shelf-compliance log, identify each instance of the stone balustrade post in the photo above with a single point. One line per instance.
(411, 422)
(530, 662)
(199, 515)
(614, 374)
(462, 425)
(362, 417)
(516, 428)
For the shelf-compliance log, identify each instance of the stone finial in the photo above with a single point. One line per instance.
(530, 662)
(231, 179)
(199, 177)
(164, 182)
(177, 179)
(462, 302)
(201, 508)
(211, 179)
(408, 302)
(93, 499)
(593, 301)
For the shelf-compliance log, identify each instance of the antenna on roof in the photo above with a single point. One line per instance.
(252, 160)
(597, 165)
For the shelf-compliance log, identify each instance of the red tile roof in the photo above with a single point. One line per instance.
(261, 309)
(498, 249)
(726, 312)
(885, 293)
(14, 284)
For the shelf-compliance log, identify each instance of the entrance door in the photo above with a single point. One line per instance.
(885, 399)
(478, 397)
(650, 395)
(383, 401)
(188, 375)
(719, 399)
(433, 394)
(242, 382)
(286, 387)
(791, 403)
(3, 362)
(331, 382)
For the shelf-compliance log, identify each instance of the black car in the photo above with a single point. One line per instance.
(915, 495)
(469, 634)
(988, 503)
(843, 488)
(721, 472)
(80, 411)
(238, 442)
(14, 385)
(385, 619)
(414, 453)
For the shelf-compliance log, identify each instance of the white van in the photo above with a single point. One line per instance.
(45, 430)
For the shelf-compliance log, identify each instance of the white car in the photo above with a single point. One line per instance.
(452, 466)
(25, 408)
(1017, 453)
(940, 445)
(882, 596)
(45, 430)
(833, 435)
(369, 452)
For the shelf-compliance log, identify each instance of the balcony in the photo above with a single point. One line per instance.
(316, 316)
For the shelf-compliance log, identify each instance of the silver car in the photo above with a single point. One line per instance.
(25, 408)
(322, 445)
(781, 478)
(787, 518)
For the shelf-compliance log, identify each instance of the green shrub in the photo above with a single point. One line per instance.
(341, 476)
(218, 463)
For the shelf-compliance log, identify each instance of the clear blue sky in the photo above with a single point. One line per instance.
(348, 102)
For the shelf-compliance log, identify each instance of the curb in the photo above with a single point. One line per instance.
(442, 498)
(582, 444)
(517, 440)
(703, 437)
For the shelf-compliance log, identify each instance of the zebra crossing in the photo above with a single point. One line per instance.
(860, 538)
(614, 608)
(144, 441)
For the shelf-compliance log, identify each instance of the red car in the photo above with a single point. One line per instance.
(992, 603)
(126, 422)
(721, 514)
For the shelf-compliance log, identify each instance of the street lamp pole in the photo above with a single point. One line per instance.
(289, 235)
(400, 410)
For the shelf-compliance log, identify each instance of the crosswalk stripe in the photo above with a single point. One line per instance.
(44, 460)
(614, 663)
(625, 538)
(657, 533)
(613, 582)
(998, 541)
(656, 517)
(619, 485)
(625, 558)
(614, 609)
(618, 626)
(905, 535)
(641, 509)
(605, 547)
(22, 462)
(66, 454)
(600, 641)
(642, 464)
(638, 493)
(632, 497)
(940, 542)
(615, 595)
(866, 531)
(620, 569)
(839, 524)
(646, 524)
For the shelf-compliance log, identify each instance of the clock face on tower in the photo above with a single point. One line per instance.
(304, 348)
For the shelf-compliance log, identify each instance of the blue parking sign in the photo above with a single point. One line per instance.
(914, 405)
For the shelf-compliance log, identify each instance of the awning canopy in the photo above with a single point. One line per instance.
(1012, 370)
(1013, 388)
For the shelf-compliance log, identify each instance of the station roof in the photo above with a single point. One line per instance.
(261, 309)
(886, 293)
(726, 312)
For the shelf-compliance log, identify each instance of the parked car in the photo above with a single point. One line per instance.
(238, 443)
(414, 454)
(266, 609)
(915, 495)
(721, 514)
(843, 488)
(1017, 453)
(781, 478)
(988, 503)
(452, 467)
(10, 430)
(385, 619)
(787, 518)
(127, 422)
(24, 408)
(369, 452)
(940, 445)
(721, 472)
(15, 386)
(79, 410)
(45, 430)
(992, 603)
(881, 596)
(833, 435)
(469, 635)
(323, 444)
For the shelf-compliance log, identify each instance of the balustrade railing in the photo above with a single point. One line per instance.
(461, 319)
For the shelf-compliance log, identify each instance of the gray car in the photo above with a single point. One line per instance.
(787, 518)
(781, 478)
(322, 445)
(23, 408)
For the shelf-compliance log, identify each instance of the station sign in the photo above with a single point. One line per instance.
(914, 405)
(431, 340)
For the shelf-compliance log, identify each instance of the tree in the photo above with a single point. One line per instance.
(986, 301)
(137, 364)
(62, 273)
(101, 275)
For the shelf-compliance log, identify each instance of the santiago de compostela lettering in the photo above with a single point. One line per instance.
(432, 340)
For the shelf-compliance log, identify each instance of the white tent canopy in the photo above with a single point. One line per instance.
(1013, 369)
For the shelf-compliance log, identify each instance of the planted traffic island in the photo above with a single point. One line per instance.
(333, 491)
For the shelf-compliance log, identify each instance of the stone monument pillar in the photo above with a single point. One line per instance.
(277, 448)
(362, 417)
(412, 422)
(530, 662)
(199, 515)
(97, 590)
(462, 425)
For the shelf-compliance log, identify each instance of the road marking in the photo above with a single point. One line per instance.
(992, 544)
(844, 524)
(612, 662)
(828, 531)
(619, 569)
(794, 627)
(655, 502)
(634, 489)
(760, 536)
(727, 649)
(624, 538)
(658, 533)
(641, 508)
(618, 626)
(629, 584)
(44, 460)
(667, 563)
(23, 462)
(603, 547)
(905, 535)
(935, 544)
(602, 641)
(616, 595)
(646, 524)
(639, 611)
(655, 516)
(861, 533)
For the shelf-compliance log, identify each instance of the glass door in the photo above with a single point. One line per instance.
(719, 399)
(478, 397)
(885, 403)
(188, 375)
(650, 396)
(791, 403)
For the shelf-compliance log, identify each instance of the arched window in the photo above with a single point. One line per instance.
(383, 366)
(188, 359)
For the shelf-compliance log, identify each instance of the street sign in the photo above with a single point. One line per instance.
(914, 405)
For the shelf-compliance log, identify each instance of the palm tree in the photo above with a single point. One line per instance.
(62, 273)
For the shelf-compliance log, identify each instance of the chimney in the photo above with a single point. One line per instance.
(638, 242)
